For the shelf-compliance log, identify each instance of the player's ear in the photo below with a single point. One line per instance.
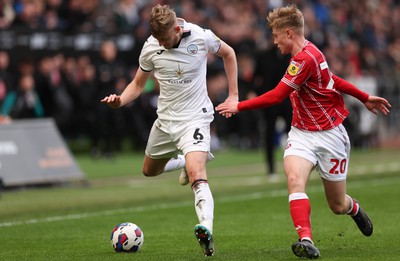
(177, 29)
(288, 33)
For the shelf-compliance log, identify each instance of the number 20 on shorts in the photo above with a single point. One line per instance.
(339, 166)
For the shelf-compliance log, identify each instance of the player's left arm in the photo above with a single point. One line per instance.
(229, 57)
(372, 103)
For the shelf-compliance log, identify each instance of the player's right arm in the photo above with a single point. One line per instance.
(131, 91)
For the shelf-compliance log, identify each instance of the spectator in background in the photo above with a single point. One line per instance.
(270, 66)
(245, 127)
(7, 14)
(28, 14)
(55, 16)
(6, 80)
(216, 87)
(24, 102)
(110, 72)
(83, 87)
(81, 15)
(53, 91)
(126, 14)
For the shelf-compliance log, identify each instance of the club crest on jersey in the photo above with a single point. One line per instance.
(192, 49)
(293, 68)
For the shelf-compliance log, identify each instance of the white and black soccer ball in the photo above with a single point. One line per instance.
(127, 237)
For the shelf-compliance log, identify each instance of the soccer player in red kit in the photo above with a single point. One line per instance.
(317, 138)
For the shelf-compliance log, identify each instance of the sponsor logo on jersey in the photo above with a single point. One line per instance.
(192, 49)
(293, 68)
(179, 74)
(160, 52)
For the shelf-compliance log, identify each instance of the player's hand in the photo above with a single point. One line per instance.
(113, 101)
(231, 98)
(228, 108)
(375, 104)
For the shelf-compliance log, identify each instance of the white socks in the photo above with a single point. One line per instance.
(204, 204)
(174, 164)
(180, 162)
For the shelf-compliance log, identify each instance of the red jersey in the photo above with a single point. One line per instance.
(317, 104)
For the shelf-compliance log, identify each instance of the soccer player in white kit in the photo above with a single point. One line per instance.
(317, 138)
(177, 53)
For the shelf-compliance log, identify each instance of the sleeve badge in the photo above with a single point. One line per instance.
(293, 68)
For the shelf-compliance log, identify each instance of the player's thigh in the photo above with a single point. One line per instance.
(299, 159)
(297, 171)
(153, 167)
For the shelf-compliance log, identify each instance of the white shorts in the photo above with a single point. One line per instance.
(167, 139)
(328, 150)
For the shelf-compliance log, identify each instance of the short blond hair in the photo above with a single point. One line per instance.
(163, 18)
(286, 17)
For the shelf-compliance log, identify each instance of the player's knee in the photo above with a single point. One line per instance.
(148, 173)
(196, 175)
(294, 184)
(145, 173)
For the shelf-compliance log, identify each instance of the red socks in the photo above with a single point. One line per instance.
(300, 210)
(353, 206)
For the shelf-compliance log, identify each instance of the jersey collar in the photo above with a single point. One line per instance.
(186, 33)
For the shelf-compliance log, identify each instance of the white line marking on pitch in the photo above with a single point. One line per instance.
(243, 197)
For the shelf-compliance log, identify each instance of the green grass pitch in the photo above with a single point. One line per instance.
(252, 220)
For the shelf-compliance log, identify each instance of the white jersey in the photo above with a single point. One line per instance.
(181, 73)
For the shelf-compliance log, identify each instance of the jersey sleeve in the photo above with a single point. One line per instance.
(272, 97)
(348, 88)
(212, 41)
(145, 59)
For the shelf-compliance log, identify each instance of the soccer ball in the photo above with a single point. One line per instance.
(127, 237)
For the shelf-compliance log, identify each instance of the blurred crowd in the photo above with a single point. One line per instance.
(359, 39)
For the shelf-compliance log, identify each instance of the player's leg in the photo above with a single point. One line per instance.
(341, 203)
(297, 170)
(180, 162)
(194, 136)
(335, 192)
(194, 143)
(203, 201)
(183, 177)
(299, 160)
(153, 167)
(333, 166)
